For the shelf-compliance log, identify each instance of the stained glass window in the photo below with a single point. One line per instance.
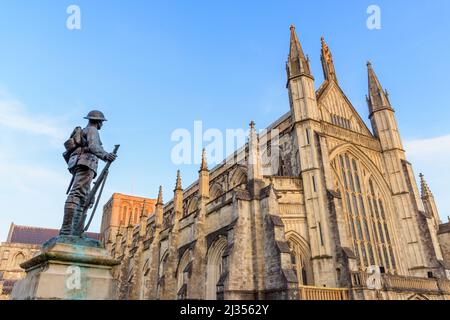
(364, 210)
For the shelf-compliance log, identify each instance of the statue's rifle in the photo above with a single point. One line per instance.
(98, 185)
(71, 184)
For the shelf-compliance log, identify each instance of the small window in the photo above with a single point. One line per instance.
(19, 258)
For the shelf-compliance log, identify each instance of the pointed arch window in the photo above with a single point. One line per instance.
(299, 267)
(18, 259)
(364, 210)
(301, 262)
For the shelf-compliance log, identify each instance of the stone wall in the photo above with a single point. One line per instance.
(12, 255)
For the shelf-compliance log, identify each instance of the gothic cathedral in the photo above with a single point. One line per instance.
(341, 216)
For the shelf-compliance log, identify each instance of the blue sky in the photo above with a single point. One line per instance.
(155, 66)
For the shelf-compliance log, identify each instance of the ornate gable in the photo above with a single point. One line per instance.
(335, 108)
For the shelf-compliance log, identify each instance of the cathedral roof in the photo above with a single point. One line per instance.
(36, 236)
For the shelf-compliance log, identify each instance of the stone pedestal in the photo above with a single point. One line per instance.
(68, 268)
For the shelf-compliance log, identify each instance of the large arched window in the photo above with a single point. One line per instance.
(365, 212)
(215, 267)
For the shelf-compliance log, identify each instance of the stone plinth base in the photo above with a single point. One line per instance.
(68, 268)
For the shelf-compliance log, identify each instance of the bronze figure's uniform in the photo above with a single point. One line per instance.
(83, 164)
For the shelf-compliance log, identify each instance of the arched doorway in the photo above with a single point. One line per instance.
(301, 259)
(215, 267)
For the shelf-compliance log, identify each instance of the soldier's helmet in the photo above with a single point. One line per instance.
(96, 115)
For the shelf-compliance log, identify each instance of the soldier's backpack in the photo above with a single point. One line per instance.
(73, 143)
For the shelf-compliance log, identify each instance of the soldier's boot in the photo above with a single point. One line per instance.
(69, 212)
(77, 229)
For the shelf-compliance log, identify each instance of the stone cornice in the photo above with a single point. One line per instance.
(361, 140)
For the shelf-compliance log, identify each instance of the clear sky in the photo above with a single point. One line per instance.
(155, 66)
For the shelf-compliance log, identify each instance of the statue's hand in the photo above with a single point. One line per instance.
(110, 157)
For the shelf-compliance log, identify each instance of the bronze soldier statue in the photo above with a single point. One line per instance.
(83, 151)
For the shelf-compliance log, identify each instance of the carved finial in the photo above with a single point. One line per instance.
(178, 184)
(369, 64)
(327, 62)
(292, 26)
(425, 189)
(325, 49)
(204, 166)
(143, 210)
(160, 196)
(253, 136)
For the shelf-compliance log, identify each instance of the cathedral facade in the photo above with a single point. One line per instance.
(341, 216)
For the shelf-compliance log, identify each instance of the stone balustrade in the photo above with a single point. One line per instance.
(319, 293)
(444, 285)
(422, 284)
(395, 282)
